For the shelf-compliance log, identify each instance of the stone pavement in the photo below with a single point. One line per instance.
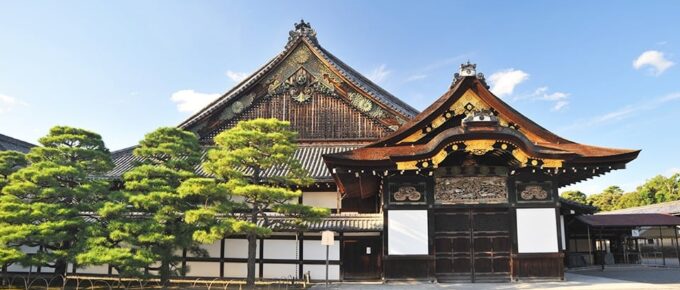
(612, 278)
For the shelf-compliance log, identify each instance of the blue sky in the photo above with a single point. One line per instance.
(597, 72)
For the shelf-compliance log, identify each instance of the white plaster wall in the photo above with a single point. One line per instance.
(213, 250)
(46, 269)
(203, 269)
(98, 269)
(29, 250)
(315, 251)
(18, 268)
(407, 232)
(280, 249)
(238, 270)
(238, 248)
(536, 230)
(320, 199)
(318, 272)
(279, 271)
(564, 238)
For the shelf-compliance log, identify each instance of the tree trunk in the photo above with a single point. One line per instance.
(252, 251)
(164, 271)
(60, 267)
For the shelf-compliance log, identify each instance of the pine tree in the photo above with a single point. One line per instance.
(239, 161)
(10, 162)
(43, 204)
(143, 223)
(575, 195)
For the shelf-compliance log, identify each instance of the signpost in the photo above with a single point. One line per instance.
(327, 239)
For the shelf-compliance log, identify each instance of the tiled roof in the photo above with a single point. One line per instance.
(309, 156)
(9, 143)
(630, 220)
(671, 207)
(350, 74)
(344, 222)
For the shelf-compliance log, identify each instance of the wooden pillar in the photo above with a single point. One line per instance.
(677, 249)
(663, 256)
(261, 268)
(222, 253)
(590, 247)
(604, 248)
(183, 273)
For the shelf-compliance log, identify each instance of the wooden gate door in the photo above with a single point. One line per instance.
(361, 258)
(472, 245)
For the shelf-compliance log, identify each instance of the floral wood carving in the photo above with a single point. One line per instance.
(472, 189)
(301, 86)
(534, 192)
(407, 193)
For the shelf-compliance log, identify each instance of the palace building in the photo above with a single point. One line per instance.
(466, 190)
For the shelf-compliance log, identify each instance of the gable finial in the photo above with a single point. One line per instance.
(302, 29)
(468, 69)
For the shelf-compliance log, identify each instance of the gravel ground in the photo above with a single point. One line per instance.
(615, 278)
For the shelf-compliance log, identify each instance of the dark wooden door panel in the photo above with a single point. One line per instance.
(360, 263)
(472, 245)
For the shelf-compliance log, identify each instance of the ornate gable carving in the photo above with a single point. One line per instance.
(304, 91)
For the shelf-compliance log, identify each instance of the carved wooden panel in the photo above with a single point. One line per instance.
(534, 191)
(407, 192)
(471, 189)
(317, 117)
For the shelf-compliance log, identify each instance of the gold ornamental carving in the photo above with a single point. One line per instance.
(471, 189)
(405, 193)
(534, 192)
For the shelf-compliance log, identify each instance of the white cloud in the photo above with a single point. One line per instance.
(379, 74)
(8, 103)
(625, 112)
(236, 77)
(672, 171)
(559, 105)
(416, 77)
(191, 101)
(504, 82)
(653, 59)
(560, 99)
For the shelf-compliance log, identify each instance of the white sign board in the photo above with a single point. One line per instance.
(327, 238)
(635, 233)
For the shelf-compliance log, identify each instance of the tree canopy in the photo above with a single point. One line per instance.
(43, 204)
(575, 195)
(241, 162)
(144, 222)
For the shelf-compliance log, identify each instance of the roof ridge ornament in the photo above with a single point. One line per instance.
(468, 69)
(302, 29)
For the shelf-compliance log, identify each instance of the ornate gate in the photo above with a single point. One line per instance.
(472, 245)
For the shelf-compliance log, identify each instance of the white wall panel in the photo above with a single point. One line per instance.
(320, 199)
(536, 230)
(98, 269)
(238, 248)
(564, 237)
(46, 269)
(213, 249)
(29, 250)
(315, 251)
(318, 272)
(279, 271)
(18, 268)
(407, 232)
(203, 269)
(280, 249)
(238, 270)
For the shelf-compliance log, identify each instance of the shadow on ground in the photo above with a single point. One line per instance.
(652, 275)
